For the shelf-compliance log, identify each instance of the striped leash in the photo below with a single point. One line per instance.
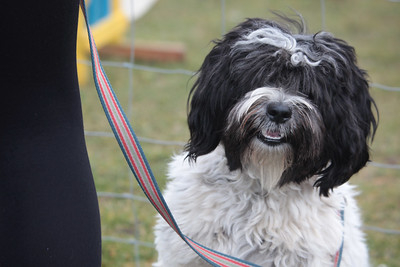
(138, 163)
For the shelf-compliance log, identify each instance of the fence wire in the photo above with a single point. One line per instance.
(131, 65)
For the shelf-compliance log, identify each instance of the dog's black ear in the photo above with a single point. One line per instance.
(347, 110)
(208, 103)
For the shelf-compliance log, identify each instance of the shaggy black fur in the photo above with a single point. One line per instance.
(336, 86)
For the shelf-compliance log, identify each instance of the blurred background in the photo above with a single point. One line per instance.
(150, 51)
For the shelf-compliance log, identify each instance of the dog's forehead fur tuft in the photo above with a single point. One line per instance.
(261, 53)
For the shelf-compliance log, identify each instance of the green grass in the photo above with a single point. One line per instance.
(159, 109)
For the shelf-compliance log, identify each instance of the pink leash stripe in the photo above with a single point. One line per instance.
(213, 256)
(117, 121)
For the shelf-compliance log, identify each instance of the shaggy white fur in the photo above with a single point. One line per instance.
(230, 212)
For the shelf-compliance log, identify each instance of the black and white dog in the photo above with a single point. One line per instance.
(279, 122)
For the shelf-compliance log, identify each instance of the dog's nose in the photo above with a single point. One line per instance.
(279, 112)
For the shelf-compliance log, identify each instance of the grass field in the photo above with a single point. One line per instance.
(159, 110)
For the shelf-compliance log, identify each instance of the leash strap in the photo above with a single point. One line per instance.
(338, 256)
(137, 161)
(139, 165)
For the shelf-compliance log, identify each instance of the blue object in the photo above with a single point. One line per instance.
(98, 10)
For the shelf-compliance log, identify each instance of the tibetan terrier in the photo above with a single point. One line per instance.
(279, 121)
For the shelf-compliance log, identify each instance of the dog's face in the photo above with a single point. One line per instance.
(264, 92)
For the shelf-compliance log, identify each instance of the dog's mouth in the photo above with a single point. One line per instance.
(272, 137)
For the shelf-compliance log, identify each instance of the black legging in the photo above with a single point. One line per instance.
(48, 206)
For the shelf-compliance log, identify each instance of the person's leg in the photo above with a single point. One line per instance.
(48, 205)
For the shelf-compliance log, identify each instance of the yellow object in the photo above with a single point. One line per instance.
(109, 30)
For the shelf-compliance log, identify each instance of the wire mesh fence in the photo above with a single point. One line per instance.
(127, 193)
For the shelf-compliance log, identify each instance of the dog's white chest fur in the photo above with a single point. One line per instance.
(227, 211)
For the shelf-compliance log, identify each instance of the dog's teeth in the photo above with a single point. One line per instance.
(273, 135)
